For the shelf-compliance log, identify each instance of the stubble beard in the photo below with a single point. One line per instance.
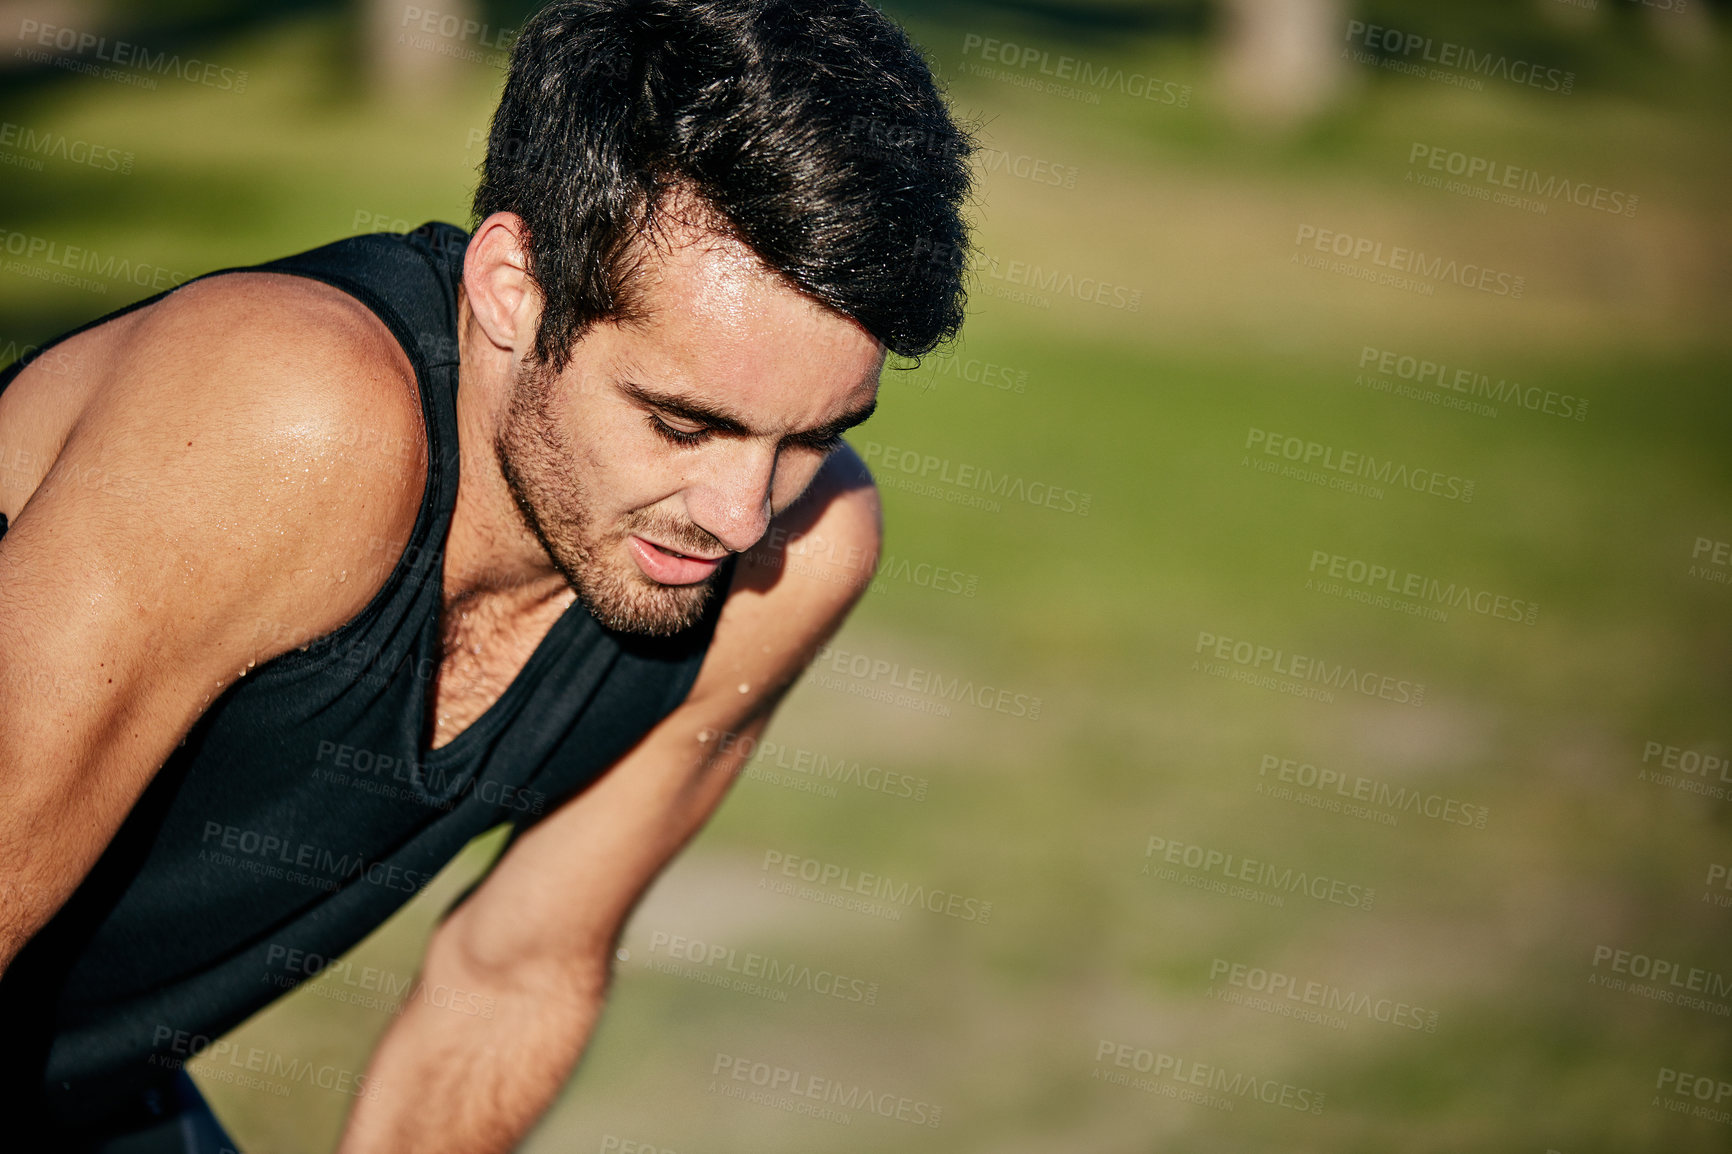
(540, 468)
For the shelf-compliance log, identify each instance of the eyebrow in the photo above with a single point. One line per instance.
(723, 421)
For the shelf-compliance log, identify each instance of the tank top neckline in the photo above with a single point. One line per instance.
(437, 509)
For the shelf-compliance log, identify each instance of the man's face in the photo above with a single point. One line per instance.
(669, 442)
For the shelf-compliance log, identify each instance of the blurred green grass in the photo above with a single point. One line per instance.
(1148, 412)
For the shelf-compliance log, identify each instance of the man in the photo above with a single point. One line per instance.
(315, 571)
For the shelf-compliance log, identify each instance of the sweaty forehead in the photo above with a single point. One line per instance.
(706, 298)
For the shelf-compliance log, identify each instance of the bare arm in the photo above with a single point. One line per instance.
(200, 489)
(538, 935)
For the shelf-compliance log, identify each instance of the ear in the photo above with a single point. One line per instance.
(502, 296)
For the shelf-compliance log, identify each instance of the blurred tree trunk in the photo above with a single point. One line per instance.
(1281, 59)
(62, 13)
(413, 49)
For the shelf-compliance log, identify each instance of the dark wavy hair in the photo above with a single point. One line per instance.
(810, 130)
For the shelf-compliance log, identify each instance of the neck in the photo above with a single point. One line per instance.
(489, 550)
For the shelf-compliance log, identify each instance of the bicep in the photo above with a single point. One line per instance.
(177, 515)
(112, 642)
(119, 609)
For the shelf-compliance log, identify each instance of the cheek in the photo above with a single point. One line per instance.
(623, 470)
(607, 448)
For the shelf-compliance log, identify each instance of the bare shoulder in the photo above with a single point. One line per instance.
(274, 383)
(291, 401)
(263, 430)
(794, 588)
(271, 356)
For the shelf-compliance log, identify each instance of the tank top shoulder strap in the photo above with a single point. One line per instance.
(409, 279)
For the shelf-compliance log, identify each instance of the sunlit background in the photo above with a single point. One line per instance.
(1330, 490)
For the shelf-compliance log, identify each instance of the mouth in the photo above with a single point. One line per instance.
(670, 567)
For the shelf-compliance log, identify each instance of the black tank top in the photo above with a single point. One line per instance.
(304, 808)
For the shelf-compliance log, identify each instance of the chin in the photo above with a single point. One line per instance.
(626, 601)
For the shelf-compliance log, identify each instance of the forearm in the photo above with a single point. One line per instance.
(61, 801)
(470, 1065)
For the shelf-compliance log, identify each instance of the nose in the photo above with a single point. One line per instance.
(731, 501)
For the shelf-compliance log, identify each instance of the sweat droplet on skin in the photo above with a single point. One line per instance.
(706, 735)
(745, 687)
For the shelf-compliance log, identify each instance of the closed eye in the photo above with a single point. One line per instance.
(676, 436)
(818, 442)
